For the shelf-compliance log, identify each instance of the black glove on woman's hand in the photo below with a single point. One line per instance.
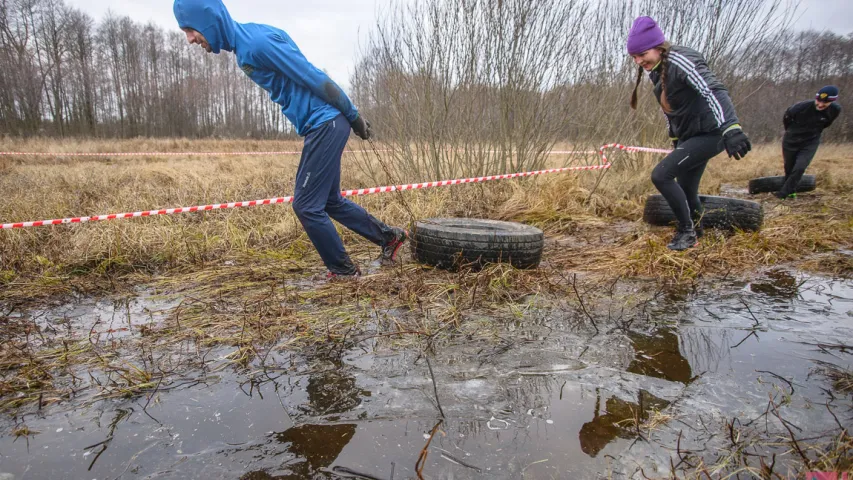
(737, 143)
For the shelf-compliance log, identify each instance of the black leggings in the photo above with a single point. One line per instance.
(686, 164)
(797, 160)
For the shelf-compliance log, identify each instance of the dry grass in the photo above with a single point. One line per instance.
(246, 276)
(53, 259)
(764, 455)
(806, 233)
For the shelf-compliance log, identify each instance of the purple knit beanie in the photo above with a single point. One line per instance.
(645, 35)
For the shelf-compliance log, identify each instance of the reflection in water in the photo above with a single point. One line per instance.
(780, 284)
(659, 356)
(332, 391)
(313, 448)
(316, 446)
(618, 421)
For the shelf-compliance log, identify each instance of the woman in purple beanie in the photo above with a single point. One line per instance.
(700, 117)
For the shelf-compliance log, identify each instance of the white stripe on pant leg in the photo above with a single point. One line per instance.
(685, 158)
(690, 214)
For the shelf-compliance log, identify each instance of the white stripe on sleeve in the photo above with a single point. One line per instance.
(700, 85)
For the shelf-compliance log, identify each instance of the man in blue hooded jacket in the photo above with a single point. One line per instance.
(318, 109)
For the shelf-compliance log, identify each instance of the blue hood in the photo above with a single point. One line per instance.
(308, 97)
(211, 19)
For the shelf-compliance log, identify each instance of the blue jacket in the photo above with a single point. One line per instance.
(308, 97)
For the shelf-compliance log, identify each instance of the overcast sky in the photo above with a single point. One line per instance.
(328, 31)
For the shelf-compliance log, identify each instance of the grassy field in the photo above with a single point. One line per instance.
(589, 232)
(246, 279)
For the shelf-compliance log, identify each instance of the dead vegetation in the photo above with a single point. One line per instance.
(247, 289)
(597, 227)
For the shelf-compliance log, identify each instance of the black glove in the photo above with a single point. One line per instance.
(737, 143)
(361, 128)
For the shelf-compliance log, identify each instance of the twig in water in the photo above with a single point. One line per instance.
(806, 461)
(767, 470)
(780, 378)
(107, 440)
(754, 318)
(153, 393)
(349, 473)
(434, 387)
(419, 465)
(445, 454)
(745, 339)
(836, 418)
(583, 305)
(133, 458)
(103, 449)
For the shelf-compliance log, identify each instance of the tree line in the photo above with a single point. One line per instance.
(62, 73)
(518, 74)
(476, 86)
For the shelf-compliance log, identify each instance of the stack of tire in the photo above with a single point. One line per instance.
(452, 243)
(721, 213)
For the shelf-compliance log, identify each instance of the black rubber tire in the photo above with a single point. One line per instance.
(774, 184)
(451, 243)
(722, 213)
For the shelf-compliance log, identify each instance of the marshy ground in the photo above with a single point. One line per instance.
(207, 345)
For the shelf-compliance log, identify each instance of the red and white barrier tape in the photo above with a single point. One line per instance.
(628, 149)
(157, 154)
(211, 154)
(347, 193)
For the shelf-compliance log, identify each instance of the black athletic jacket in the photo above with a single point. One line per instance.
(804, 124)
(700, 103)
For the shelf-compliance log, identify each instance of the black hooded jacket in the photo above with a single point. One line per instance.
(700, 103)
(804, 123)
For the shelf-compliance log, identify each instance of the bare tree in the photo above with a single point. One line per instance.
(458, 86)
(469, 86)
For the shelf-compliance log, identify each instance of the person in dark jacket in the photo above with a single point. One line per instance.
(318, 109)
(804, 124)
(700, 117)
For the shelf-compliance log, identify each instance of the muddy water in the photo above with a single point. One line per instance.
(543, 399)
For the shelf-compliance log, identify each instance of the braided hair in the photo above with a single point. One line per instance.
(664, 66)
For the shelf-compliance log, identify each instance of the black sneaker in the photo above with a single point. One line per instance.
(390, 249)
(683, 240)
(699, 229)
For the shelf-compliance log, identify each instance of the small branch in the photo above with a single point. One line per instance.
(583, 305)
(450, 457)
(419, 465)
(745, 339)
(434, 387)
(153, 393)
(836, 418)
(780, 378)
(806, 460)
(754, 318)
